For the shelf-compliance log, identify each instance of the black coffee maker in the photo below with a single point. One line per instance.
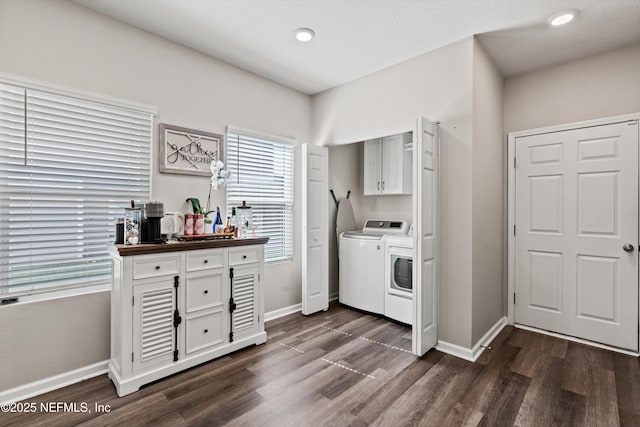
(153, 213)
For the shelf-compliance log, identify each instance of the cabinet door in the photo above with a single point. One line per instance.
(154, 337)
(244, 291)
(392, 164)
(372, 167)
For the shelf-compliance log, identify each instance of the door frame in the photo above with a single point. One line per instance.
(511, 201)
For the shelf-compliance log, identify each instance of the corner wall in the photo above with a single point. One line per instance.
(60, 42)
(488, 191)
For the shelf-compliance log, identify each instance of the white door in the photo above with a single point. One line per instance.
(426, 171)
(315, 229)
(576, 212)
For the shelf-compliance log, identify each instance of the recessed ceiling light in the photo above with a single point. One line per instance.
(562, 18)
(304, 34)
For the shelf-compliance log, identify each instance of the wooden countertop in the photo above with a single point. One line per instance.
(152, 248)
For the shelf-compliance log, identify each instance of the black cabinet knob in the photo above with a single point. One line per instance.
(244, 257)
(157, 267)
(206, 261)
(206, 330)
(206, 291)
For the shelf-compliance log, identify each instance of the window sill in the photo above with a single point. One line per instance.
(45, 295)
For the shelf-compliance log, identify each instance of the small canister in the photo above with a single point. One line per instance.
(132, 224)
(119, 231)
(188, 224)
(198, 224)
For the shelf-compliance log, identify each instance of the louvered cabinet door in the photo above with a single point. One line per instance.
(153, 330)
(244, 319)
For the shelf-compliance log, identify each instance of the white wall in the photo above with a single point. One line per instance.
(60, 42)
(488, 190)
(436, 85)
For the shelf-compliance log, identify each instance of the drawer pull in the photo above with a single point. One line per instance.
(206, 261)
(206, 291)
(157, 267)
(206, 330)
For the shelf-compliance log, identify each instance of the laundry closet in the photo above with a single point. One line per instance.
(371, 266)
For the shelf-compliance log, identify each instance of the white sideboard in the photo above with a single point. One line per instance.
(174, 306)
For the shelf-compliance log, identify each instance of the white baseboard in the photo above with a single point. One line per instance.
(281, 312)
(52, 383)
(472, 354)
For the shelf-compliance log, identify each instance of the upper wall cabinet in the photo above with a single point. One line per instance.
(387, 165)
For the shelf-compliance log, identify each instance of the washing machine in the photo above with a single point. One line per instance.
(398, 277)
(362, 264)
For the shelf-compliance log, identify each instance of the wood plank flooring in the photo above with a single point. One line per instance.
(345, 368)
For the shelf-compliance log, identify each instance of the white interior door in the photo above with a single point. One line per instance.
(315, 229)
(426, 171)
(576, 210)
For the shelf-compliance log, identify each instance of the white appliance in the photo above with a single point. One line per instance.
(398, 296)
(362, 264)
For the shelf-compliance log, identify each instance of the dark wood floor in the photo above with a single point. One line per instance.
(344, 368)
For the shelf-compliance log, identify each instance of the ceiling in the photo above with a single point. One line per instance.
(358, 37)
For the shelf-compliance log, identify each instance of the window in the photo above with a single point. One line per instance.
(68, 167)
(262, 174)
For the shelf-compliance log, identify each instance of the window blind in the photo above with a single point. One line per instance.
(68, 167)
(262, 174)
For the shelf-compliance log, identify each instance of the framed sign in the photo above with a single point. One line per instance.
(187, 151)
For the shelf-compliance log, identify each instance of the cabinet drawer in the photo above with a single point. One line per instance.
(205, 290)
(205, 331)
(155, 265)
(243, 255)
(205, 259)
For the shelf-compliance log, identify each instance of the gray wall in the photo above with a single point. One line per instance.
(60, 42)
(488, 191)
(600, 86)
(436, 85)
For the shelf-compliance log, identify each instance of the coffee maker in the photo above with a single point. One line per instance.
(153, 213)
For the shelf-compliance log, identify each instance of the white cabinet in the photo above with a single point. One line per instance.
(174, 310)
(387, 165)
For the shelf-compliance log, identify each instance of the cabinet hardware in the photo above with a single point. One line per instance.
(206, 261)
(382, 185)
(206, 291)
(157, 267)
(232, 305)
(206, 330)
(378, 185)
(244, 257)
(176, 318)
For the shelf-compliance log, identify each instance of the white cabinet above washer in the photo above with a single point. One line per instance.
(387, 165)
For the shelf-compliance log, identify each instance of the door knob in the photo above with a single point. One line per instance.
(628, 247)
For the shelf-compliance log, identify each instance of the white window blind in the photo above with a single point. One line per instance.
(68, 167)
(262, 174)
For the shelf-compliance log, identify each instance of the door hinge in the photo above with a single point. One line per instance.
(133, 300)
(258, 277)
(514, 162)
(132, 356)
(514, 229)
(514, 297)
